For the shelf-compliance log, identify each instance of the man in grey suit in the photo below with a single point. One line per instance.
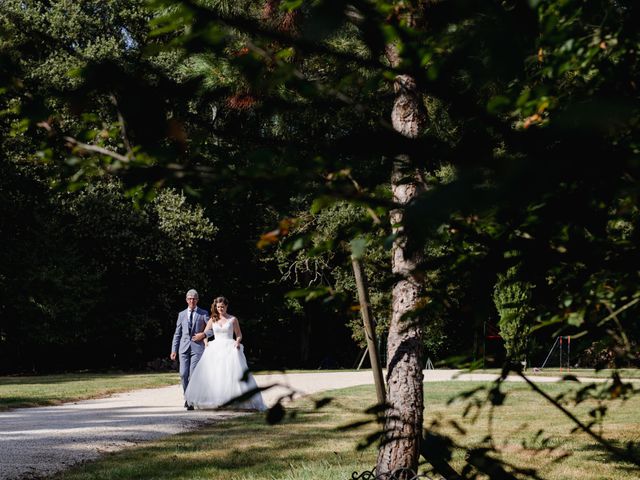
(188, 340)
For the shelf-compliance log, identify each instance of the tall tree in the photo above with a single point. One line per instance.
(400, 447)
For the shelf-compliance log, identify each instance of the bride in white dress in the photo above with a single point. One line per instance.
(222, 373)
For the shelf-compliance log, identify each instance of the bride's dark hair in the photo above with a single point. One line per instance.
(214, 310)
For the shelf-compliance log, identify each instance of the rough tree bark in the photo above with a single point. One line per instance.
(400, 448)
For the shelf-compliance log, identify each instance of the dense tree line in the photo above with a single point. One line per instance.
(94, 268)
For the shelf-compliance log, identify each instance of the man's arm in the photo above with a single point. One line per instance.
(206, 333)
(176, 339)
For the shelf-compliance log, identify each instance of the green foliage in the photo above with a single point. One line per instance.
(512, 298)
(93, 275)
(324, 261)
(291, 103)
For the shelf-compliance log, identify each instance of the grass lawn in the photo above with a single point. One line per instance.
(55, 389)
(625, 373)
(311, 446)
(43, 390)
(531, 433)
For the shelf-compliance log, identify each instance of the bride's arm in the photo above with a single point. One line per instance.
(208, 330)
(237, 331)
(205, 334)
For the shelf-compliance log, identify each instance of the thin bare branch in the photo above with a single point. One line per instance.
(619, 310)
(123, 127)
(618, 452)
(96, 149)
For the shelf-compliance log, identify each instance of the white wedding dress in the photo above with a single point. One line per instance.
(218, 377)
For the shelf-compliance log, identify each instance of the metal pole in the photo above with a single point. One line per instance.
(549, 354)
(363, 297)
(560, 352)
(569, 353)
(366, 350)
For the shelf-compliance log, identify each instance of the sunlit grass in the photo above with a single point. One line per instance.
(42, 390)
(529, 432)
(310, 445)
(305, 446)
(625, 373)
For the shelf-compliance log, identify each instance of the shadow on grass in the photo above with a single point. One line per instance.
(9, 403)
(595, 449)
(244, 447)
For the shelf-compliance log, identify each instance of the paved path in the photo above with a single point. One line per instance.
(35, 442)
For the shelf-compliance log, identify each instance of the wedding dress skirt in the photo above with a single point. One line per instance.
(222, 375)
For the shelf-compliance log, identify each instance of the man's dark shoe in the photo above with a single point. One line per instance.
(186, 404)
(189, 407)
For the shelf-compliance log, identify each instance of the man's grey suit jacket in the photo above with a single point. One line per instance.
(182, 337)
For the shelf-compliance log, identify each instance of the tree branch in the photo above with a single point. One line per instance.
(615, 313)
(619, 452)
(123, 127)
(251, 26)
(96, 149)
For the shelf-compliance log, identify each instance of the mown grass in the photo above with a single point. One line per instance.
(43, 390)
(526, 431)
(306, 445)
(625, 373)
(529, 432)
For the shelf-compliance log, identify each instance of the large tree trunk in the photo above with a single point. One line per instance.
(400, 448)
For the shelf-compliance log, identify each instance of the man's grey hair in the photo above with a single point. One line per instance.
(192, 293)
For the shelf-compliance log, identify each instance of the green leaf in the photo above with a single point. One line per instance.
(576, 318)
(290, 5)
(321, 203)
(275, 414)
(498, 104)
(389, 240)
(496, 397)
(298, 244)
(358, 247)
